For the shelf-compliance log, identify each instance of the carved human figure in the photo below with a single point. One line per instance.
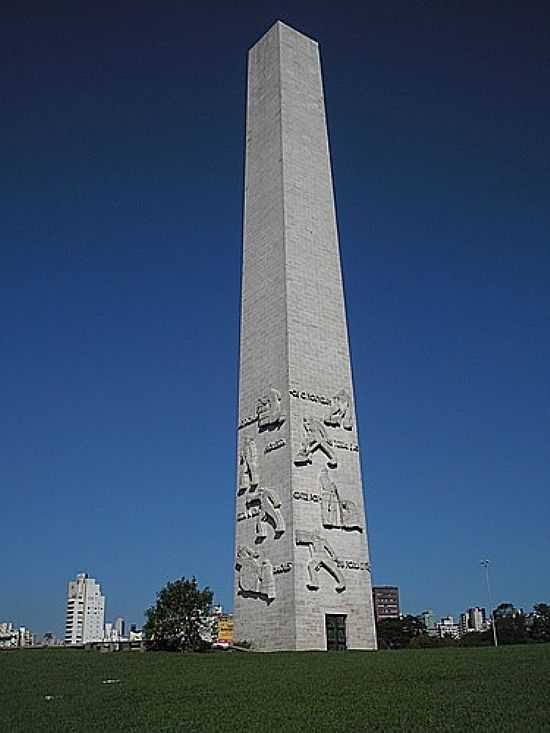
(330, 501)
(268, 409)
(248, 565)
(267, 580)
(322, 556)
(255, 575)
(248, 465)
(337, 512)
(269, 505)
(315, 437)
(339, 413)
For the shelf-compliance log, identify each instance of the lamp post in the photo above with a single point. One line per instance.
(485, 564)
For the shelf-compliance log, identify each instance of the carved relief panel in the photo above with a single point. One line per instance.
(336, 511)
(315, 438)
(248, 465)
(322, 556)
(340, 414)
(268, 503)
(269, 410)
(255, 574)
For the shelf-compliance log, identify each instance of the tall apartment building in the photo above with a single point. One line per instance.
(428, 619)
(85, 616)
(386, 602)
(472, 620)
(477, 619)
(120, 626)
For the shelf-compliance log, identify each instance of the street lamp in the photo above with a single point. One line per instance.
(485, 564)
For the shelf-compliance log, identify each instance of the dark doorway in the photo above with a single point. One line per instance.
(336, 632)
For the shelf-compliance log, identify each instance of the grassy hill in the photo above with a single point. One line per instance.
(505, 689)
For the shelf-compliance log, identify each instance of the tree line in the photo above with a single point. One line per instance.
(181, 616)
(409, 632)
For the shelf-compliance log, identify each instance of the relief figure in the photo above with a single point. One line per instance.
(268, 409)
(248, 465)
(339, 414)
(322, 556)
(270, 513)
(315, 437)
(330, 501)
(255, 574)
(337, 512)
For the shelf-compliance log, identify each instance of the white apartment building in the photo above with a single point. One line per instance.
(85, 616)
(447, 627)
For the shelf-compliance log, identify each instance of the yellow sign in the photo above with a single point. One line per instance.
(225, 629)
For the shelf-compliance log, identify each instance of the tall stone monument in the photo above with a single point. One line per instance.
(302, 573)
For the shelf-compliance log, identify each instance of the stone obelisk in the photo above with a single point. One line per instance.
(302, 573)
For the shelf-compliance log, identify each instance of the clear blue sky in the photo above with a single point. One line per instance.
(121, 191)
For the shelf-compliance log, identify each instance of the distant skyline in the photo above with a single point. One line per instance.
(121, 191)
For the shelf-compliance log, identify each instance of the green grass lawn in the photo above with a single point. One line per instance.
(505, 689)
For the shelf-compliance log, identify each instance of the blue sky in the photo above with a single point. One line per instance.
(121, 198)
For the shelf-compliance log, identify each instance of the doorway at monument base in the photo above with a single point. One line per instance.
(312, 631)
(336, 632)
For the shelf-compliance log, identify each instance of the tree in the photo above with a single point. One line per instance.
(510, 624)
(540, 628)
(425, 641)
(505, 611)
(476, 638)
(397, 633)
(177, 620)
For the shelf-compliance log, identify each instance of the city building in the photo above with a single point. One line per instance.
(120, 626)
(50, 639)
(8, 638)
(477, 619)
(473, 619)
(302, 571)
(386, 602)
(25, 637)
(12, 637)
(8, 635)
(448, 627)
(428, 619)
(219, 628)
(115, 631)
(225, 630)
(135, 634)
(85, 616)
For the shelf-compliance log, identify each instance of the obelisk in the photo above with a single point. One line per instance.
(302, 572)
